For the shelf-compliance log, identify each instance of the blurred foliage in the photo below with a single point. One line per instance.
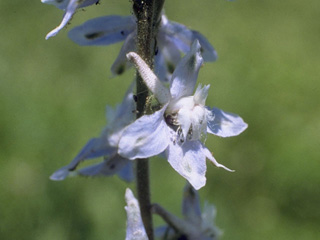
(53, 98)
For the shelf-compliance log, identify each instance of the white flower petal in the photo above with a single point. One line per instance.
(186, 73)
(146, 137)
(189, 161)
(225, 124)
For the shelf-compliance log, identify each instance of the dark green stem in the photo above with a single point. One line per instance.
(147, 13)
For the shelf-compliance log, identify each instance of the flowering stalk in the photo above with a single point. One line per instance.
(147, 13)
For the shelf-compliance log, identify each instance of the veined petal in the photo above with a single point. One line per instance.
(225, 124)
(95, 147)
(189, 161)
(121, 64)
(71, 8)
(110, 166)
(135, 228)
(146, 137)
(186, 73)
(103, 30)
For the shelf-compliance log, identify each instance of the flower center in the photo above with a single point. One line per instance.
(187, 118)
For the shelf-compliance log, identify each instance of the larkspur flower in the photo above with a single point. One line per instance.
(70, 7)
(105, 146)
(172, 40)
(135, 227)
(194, 225)
(183, 120)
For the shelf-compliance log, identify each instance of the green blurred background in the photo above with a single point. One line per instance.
(53, 98)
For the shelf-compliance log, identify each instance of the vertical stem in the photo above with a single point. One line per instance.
(147, 13)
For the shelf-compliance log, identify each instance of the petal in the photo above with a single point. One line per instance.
(146, 137)
(135, 228)
(127, 172)
(213, 160)
(208, 53)
(121, 64)
(61, 4)
(189, 161)
(109, 167)
(95, 147)
(225, 124)
(103, 30)
(191, 205)
(179, 34)
(72, 6)
(186, 73)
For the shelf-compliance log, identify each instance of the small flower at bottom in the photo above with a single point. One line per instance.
(105, 146)
(135, 227)
(182, 122)
(194, 225)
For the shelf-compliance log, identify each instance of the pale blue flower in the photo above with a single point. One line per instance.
(181, 123)
(105, 146)
(70, 7)
(194, 225)
(172, 40)
(135, 227)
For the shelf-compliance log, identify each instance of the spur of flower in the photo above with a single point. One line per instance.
(105, 146)
(181, 124)
(172, 40)
(70, 7)
(194, 225)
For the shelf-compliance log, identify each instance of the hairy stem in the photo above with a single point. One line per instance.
(147, 13)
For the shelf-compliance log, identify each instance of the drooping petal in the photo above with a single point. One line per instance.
(135, 227)
(146, 137)
(110, 166)
(72, 6)
(189, 161)
(103, 30)
(213, 160)
(225, 124)
(191, 205)
(95, 147)
(121, 64)
(186, 73)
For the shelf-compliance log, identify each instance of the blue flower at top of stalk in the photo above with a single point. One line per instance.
(70, 7)
(105, 146)
(181, 123)
(172, 40)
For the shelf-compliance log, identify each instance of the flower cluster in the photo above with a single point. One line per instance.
(182, 121)
(176, 126)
